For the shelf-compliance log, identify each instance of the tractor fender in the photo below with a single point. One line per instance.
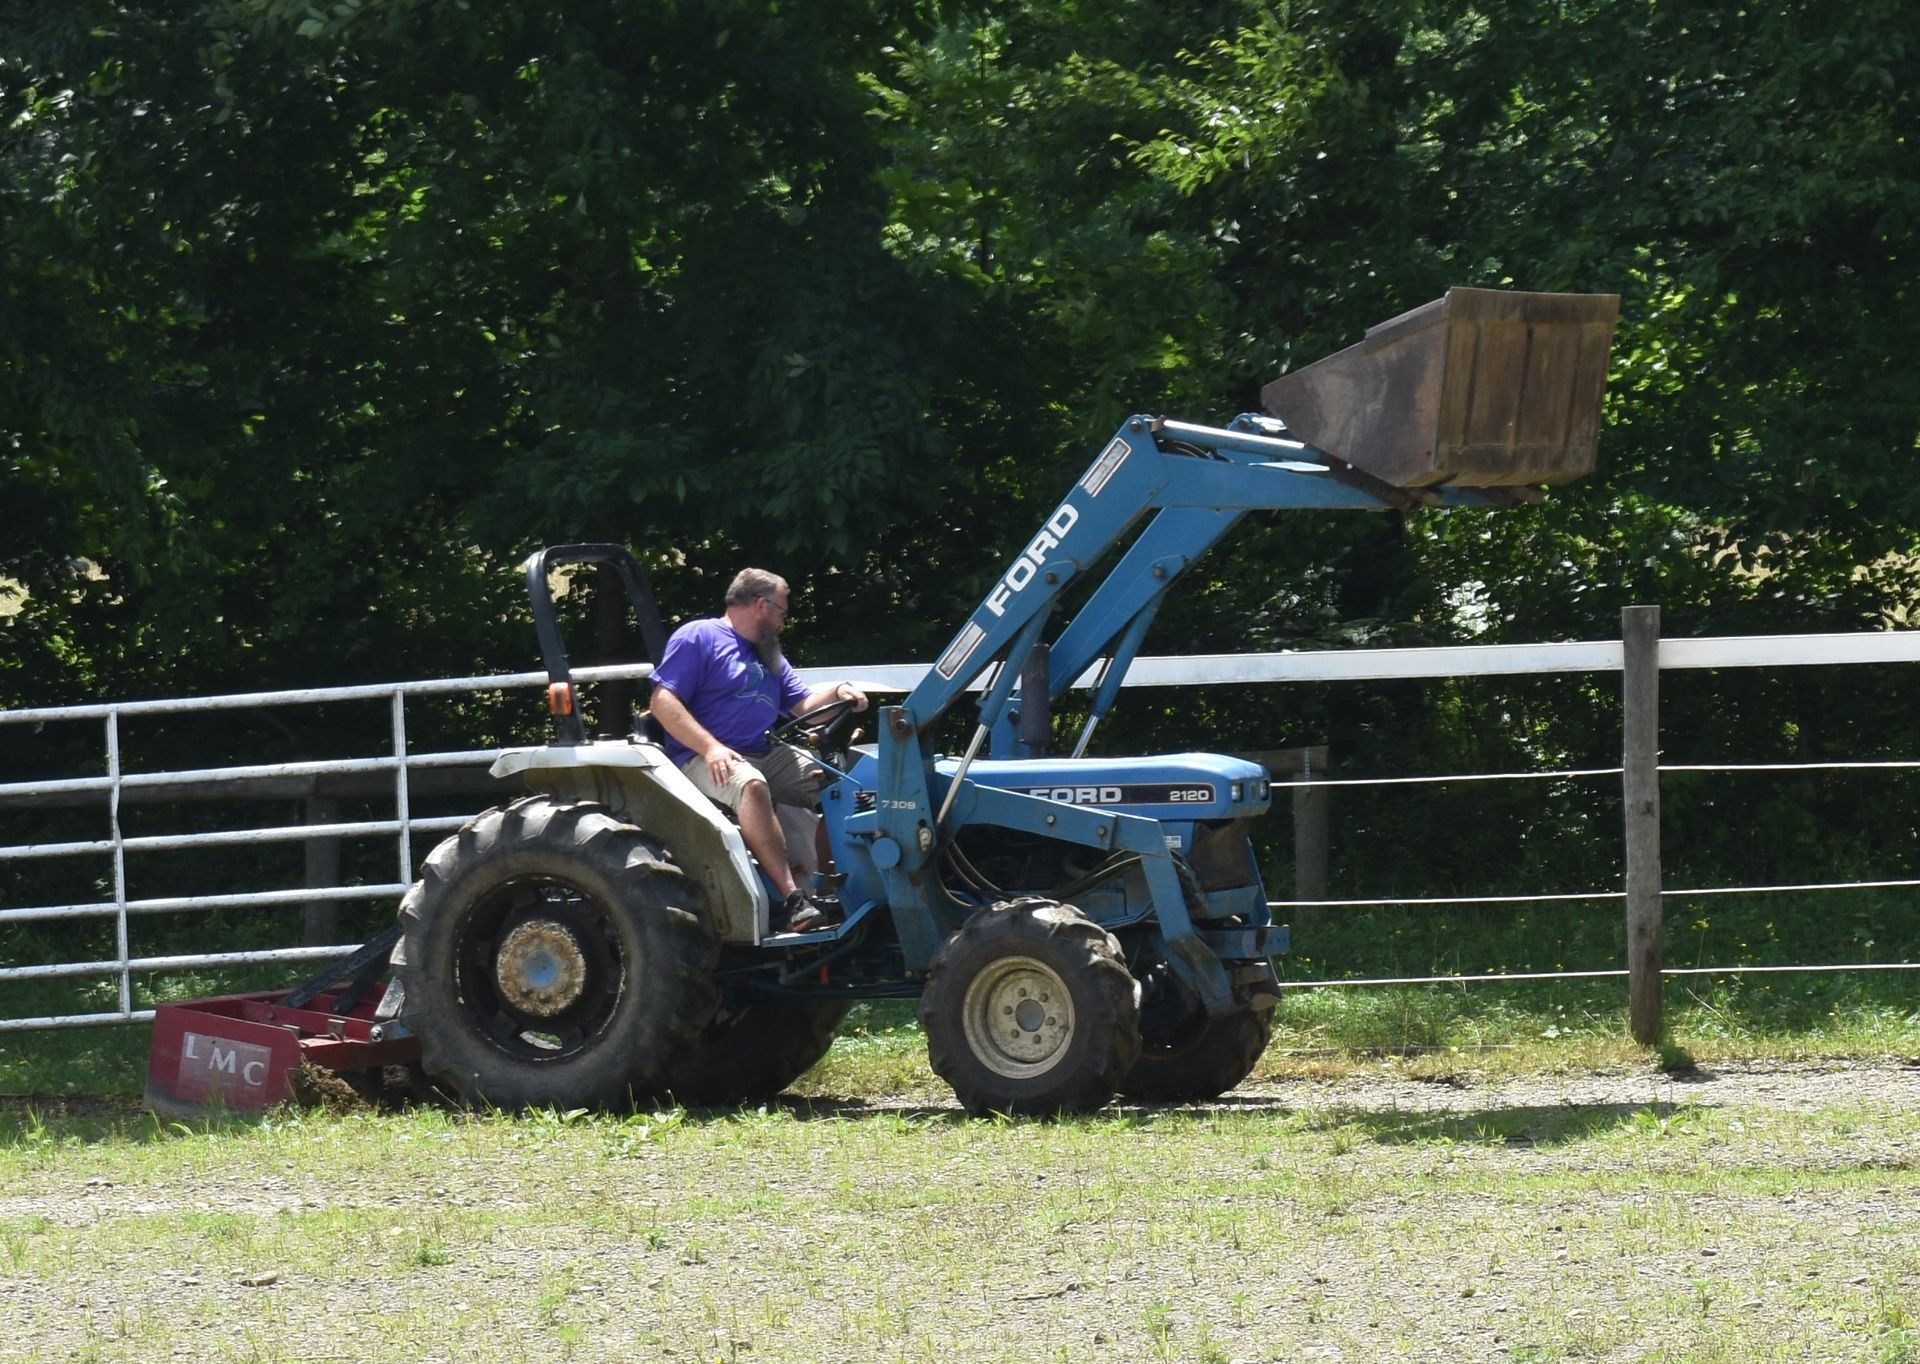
(640, 785)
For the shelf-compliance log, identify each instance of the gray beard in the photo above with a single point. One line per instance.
(770, 655)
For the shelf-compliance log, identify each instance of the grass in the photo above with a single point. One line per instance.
(1663, 1232)
(1489, 1025)
(816, 1229)
(1487, 1028)
(831, 1226)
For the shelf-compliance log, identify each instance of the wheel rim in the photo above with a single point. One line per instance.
(540, 970)
(1019, 1017)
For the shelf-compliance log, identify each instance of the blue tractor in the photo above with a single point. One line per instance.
(1074, 926)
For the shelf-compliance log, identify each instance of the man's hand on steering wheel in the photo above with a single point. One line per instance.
(820, 717)
(846, 691)
(812, 721)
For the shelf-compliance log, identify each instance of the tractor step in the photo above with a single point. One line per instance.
(787, 938)
(238, 1053)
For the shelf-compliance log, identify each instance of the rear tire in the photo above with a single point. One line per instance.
(751, 1054)
(552, 955)
(1029, 1009)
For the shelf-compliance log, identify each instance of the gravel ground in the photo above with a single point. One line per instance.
(1750, 1211)
(1743, 1084)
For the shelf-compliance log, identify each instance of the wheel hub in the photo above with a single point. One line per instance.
(1019, 1017)
(541, 969)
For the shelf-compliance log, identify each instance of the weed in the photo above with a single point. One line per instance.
(1890, 1313)
(1675, 1059)
(17, 1241)
(1157, 1318)
(555, 1289)
(1702, 1296)
(223, 1228)
(553, 1117)
(25, 1129)
(647, 1129)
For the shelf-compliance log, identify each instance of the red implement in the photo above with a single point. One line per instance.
(238, 1053)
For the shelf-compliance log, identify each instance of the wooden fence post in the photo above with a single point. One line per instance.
(1309, 819)
(1640, 787)
(1310, 830)
(323, 870)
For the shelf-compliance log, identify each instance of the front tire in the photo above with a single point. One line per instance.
(1030, 1009)
(552, 955)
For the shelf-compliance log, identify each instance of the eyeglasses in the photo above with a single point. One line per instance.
(778, 606)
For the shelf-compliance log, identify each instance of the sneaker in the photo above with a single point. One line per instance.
(799, 914)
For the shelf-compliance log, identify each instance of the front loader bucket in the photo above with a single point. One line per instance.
(1482, 388)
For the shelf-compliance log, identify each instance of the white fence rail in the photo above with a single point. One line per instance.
(1881, 648)
(121, 908)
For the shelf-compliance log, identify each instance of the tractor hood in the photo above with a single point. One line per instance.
(1175, 786)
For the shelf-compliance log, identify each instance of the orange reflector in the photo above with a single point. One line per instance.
(560, 699)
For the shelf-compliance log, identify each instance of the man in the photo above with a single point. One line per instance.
(720, 687)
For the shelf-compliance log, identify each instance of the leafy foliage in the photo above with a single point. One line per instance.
(315, 318)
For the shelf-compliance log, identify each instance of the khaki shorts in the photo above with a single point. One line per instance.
(791, 776)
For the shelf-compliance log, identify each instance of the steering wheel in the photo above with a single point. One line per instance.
(816, 721)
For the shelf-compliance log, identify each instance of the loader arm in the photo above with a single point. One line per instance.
(1200, 481)
(1475, 399)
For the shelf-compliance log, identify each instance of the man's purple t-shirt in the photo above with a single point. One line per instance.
(717, 674)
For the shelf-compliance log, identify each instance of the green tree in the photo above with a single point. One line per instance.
(321, 319)
(317, 318)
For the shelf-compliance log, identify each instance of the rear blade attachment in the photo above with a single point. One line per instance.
(239, 1053)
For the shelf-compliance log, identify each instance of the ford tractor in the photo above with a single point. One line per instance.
(1074, 925)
